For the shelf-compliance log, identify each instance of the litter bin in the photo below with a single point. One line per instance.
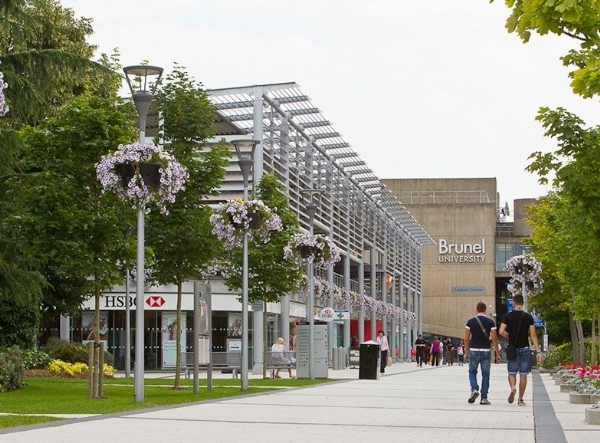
(369, 361)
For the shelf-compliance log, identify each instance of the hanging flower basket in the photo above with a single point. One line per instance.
(316, 249)
(3, 106)
(526, 271)
(236, 218)
(142, 173)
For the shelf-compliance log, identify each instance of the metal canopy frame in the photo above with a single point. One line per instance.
(303, 148)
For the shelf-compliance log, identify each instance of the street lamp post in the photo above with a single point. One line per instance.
(142, 80)
(526, 250)
(313, 197)
(245, 154)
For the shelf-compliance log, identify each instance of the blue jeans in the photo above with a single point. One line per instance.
(521, 364)
(483, 358)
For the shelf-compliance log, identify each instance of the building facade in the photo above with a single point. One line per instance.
(381, 242)
(473, 240)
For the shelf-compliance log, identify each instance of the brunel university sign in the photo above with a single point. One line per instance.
(461, 252)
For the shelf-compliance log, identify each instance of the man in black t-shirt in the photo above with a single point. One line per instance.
(478, 332)
(420, 344)
(516, 326)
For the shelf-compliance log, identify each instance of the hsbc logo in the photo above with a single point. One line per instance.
(155, 301)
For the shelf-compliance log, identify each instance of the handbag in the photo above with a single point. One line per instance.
(389, 360)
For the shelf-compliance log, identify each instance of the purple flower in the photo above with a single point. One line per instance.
(316, 249)
(236, 218)
(172, 175)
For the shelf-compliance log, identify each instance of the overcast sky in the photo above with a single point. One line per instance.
(419, 88)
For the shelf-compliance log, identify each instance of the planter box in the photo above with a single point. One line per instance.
(594, 398)
(579, 399)
(558, 380)
(592, 416)
(566, 387)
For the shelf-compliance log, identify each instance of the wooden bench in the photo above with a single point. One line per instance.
(227, 362)
(278, 360)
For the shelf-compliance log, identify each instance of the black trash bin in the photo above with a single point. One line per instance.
(369, 361)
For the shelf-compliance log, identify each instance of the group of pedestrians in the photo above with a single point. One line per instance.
(480, 346)
(439, 351)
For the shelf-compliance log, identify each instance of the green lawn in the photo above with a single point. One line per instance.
(46, 396)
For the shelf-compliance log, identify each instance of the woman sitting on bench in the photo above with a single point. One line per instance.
(278, 357)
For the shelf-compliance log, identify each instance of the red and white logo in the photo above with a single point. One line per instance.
(155, 301)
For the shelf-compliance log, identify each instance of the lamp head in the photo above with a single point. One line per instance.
(244, 149)
(142, 79)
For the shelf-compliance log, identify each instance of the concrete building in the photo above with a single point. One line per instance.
(473, 239)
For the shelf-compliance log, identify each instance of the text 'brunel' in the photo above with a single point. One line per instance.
(461, 252)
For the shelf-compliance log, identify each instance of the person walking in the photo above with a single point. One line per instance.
(460, 352)
(450, 349)
(478, 331)
(515, 327)
(436, 351)
(420, 344)
(384, 346)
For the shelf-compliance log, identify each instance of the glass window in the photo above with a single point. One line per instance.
(504, 251)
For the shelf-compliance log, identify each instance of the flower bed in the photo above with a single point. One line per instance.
(585, 379)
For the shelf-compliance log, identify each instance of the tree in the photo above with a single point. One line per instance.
(562, 237)
(45, 60)
(575, 19)
(66, 221)
(272, 276)
(575, 163)
(182, 241)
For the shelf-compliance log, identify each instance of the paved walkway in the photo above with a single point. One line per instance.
(407, 404)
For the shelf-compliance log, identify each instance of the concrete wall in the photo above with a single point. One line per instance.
(459, 212)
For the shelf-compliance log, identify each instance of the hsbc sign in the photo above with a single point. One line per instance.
(119, 301)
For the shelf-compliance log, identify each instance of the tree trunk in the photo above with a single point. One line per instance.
(574, 338)
(594, 358)
(582, 356)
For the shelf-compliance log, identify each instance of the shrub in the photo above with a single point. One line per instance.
(563, 355)
(35, 359)
(70, 352)
(11, 370)
(67, 351)
(64, 369)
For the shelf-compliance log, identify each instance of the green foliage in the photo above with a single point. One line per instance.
(11, 370)
(578, 20)
(563, 355)
(70, 352)
(35, 359)
(19, 321)
(272, 276)
(182, 241)
(46, 60)
(61, 213)
(67, 351)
